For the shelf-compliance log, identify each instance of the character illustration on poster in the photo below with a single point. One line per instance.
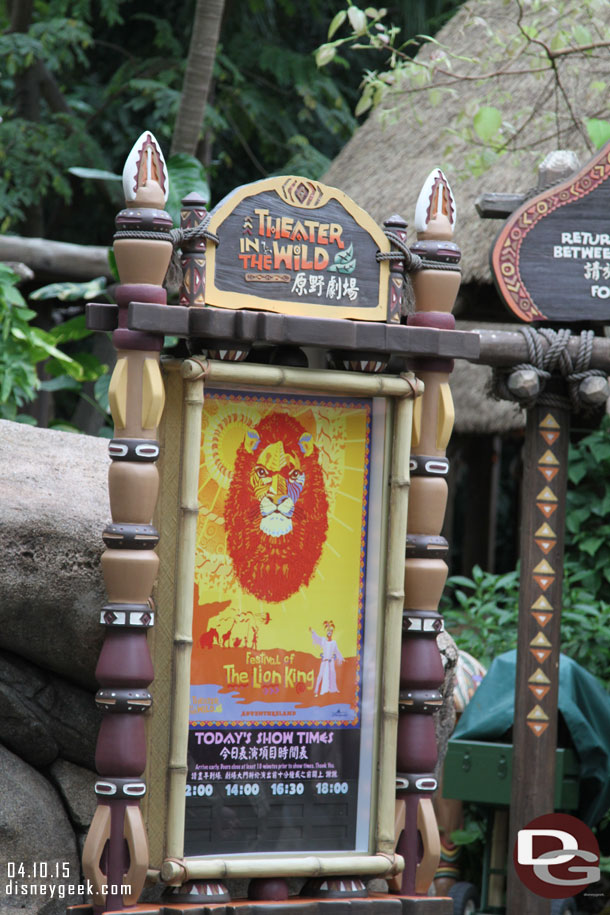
(276, 510)
(327, 676)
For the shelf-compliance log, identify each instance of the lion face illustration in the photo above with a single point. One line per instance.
(276, 509)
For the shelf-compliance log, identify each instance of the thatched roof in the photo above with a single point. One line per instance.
(385, 163)
(476, 412)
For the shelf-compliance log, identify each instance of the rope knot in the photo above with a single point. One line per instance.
(525, 383)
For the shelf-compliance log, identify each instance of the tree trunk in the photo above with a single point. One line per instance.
(199, 65)
(27, 98)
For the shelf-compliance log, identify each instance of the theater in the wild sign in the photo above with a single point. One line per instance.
(298, 247)
(551, 260)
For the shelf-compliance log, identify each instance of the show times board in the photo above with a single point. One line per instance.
(273, 806)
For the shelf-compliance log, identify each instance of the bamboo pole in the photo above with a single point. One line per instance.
(183, 640)
(180, 871)
(395, 596)
(332, 382)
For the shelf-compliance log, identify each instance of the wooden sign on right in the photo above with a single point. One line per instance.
(551, 260)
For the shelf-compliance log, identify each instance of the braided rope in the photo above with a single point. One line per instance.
(141, 233)
(439, 265)
(546, 360)
(201, 231)
(404, 253)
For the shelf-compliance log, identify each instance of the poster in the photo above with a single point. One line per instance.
(280, 678)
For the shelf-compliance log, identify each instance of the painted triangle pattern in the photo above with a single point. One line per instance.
(539, 691)
(541, 604)
(540, 641)
(545, 581)
(545, 545)
(546, 508)
(539, 676)
(543, 571)
(546, 495)
(549, 422)
(538, 727)
(549, 473)
(548, 458)
(538, 714)
(544, 568)
(542, 618)
(549, 437)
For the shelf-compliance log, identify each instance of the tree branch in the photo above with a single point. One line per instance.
(56, 257)
(50, 90)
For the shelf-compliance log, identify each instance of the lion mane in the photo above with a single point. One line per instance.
(273, 568)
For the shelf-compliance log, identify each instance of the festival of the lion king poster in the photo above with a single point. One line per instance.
(279, 601)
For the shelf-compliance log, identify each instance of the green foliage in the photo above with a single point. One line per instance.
(24, 347)
(599, 131)
(274, 111)
(588, 510)
(482, 611)
(17, 368)
(84, 79)
(71, 292)
(562, 55)
(487, 122)
(117, 71)
(186, 176)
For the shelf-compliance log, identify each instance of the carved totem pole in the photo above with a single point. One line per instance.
(436, 285)
(115, 857)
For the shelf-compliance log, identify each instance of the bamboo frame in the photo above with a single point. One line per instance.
(383, 861)
(380, 865)
(395, 598)
(183, 639)
(328, 382)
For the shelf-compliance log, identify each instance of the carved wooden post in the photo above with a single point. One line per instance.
(543, 500)
(192, 290)
(115, 857)
(435, 286)
(396, 226)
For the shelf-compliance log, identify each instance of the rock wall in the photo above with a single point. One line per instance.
(53, 508)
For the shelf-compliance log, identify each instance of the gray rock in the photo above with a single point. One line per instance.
(53, 508)
(75, 786)
(444, 719)
(43, 716)
(34, 832)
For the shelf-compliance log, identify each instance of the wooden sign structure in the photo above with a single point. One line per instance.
(551, 260)
(301, 247)
(548, 263)
(272, 654)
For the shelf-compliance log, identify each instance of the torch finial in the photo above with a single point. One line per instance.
(145, 179)
(435, 211)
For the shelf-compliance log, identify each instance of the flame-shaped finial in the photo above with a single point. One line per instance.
(145, 179)
(435, 211)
